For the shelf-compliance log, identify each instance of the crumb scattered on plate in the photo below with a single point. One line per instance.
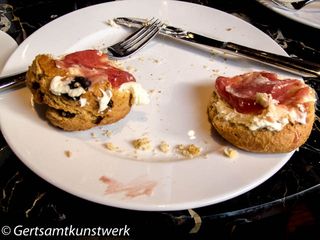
(67, 153)
(111, 147)
(131, 69)
(111, 23)
(142, 143)
(107, 133)
(164, 147)
(230, 152)
(190, 150)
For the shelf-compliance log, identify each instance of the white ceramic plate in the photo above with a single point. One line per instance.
(8, 45)
(180, 80)
(309, 15)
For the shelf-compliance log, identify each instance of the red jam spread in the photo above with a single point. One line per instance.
(95, 66)
(240, 91)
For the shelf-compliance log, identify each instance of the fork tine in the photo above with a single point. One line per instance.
(136, 40)
(137, 33)
(149, 30)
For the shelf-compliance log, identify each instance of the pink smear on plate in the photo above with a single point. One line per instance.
(135, 188)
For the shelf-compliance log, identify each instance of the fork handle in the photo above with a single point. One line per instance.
(12, 81)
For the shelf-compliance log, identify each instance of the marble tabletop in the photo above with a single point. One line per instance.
(25, 198)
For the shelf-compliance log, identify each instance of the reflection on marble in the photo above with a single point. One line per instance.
(25, 197)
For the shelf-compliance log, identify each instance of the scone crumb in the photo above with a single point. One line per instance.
(131, 69)
(156, 60)
(111, 23)
(164, 147)
(111, 147)
(230, 152)
(188, 150)
(107, 133)
(142, 143)
(67, 153)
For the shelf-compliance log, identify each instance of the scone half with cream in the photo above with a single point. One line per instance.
(259, 112)
(83, 89)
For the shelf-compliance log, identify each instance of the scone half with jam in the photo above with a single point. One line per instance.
(83, 89)
(260, 112)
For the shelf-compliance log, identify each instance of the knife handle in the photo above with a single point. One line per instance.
(294, 65)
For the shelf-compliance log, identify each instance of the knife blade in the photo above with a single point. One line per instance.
(294, 65)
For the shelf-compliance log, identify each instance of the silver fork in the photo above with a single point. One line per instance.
(136, 40)
(122, 49)
(293, 5)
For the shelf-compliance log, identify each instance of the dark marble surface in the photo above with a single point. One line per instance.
(284, 207)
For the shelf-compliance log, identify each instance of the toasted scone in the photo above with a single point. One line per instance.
(272, 119)
(83, 89)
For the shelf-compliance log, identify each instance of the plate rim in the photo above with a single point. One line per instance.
(289, 15)
(162, 207)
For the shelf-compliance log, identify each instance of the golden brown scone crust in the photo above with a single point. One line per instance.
(65, 112)
(289, 138)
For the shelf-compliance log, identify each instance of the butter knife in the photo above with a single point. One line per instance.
(294, 65)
